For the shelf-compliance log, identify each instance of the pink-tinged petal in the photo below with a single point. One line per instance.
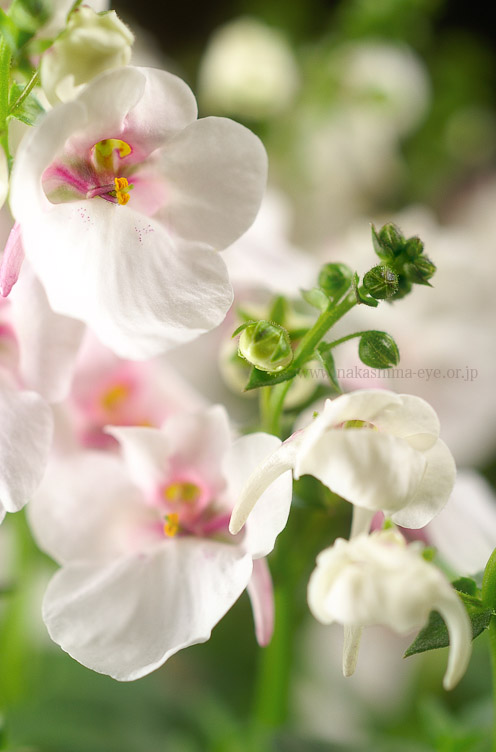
(261, 595)
(128, 618)
(167, 105)
(26, 428)
(12, 259)
(146, 453)
(48, 342)
(257, 467)
(86, 509)
(216, 171)
(138, 288)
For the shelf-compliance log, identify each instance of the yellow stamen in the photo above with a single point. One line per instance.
(113, 398)
(171, 525)
(185, 493)
(107, 153)
(121, 190)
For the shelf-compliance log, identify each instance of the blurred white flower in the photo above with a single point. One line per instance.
(378, 579)
(149, 567)
(248, 70)
(90, 44)
(4, 177)
(376, 449)
(465, 531)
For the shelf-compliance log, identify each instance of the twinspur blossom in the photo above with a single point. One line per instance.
(122, 199)
(378, 580)
(148, 566)
(90, 44)
(377, 449)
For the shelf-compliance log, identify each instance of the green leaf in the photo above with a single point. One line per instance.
(335, 279)
(435, 634)
(279, 310)
(378, 350)
(324, 352)
(262, 378)
(381, 282)
(316, 298)
(466, 585)
(29, 15)
(29, 111)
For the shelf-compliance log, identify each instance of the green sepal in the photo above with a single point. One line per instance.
(420, 271)
(378, 350)
(381, 282)
(316, 298)
(414, 248)
(335, 279)
(466, 585)
(29, 111)
(263, 378)
(324, 352)
(360, 297)
(241, 327)
(279, 310)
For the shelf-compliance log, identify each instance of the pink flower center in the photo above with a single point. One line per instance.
(191, 510)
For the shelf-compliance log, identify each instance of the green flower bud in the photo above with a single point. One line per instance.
(266, 346)
(420, 271)
(381, 282)
(335, 279)
(389, 242)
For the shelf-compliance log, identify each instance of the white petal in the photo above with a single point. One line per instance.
(48, 342)
(261, 595)
(414, 419)
(140, 290)
(26, 428)
(457, 621)
(269, 470)
(369, 469)
(255, 471)
(127, 619)
(434, 489)
(82, 509)
(216, 171)
(351, 647)
(168, 105)
(146, 453)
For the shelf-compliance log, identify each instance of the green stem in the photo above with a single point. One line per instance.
(340, 341)
(489, 599)
(5, 61)
(272, 685)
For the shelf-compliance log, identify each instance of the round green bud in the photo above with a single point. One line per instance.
(266, 346)
(381, 282)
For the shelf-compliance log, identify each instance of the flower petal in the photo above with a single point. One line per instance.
(26, 427)
(48, 342)
(434, 489)
(12, 259)
(370, 469)
(217, 171)
(84, 508)
(253, 451)
(454, 614)
(414, 419)
(261, 595)
(127, 619)
(140, 290)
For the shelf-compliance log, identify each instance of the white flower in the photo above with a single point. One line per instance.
(378, 579)
(148, 565)
(376, 449)
(90, 44)
(123, 198)
(249, 70)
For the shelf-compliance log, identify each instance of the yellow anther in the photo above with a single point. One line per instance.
(121, 190)
(107, 153)
(182, 493)
(113, 398)
(171, 525)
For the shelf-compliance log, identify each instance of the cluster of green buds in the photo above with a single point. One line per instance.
(403, 264)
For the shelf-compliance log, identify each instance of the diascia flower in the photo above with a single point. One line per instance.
(378, 579)
(147, 563)
(123, 199)
(376, 449)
